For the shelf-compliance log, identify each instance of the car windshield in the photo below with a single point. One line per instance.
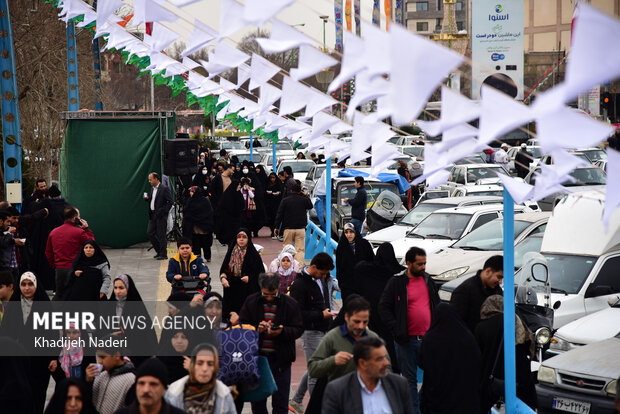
(419, 213)
(474, 174)
(489, 236)
(319, 170)
(243, 156)
(586, 176)
(441, 226)
(472, 159)
(567, 273)
(414, 151)
(497, 193)
(283, 146)
(394, 140)
(595, 154)
(232, 145)
(531, 243)
(373, 189)
(302, 166)
(535, 151)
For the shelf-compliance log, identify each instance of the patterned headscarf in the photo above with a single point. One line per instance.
(71, 356)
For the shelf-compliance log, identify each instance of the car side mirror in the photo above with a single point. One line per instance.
(613, 301)
(540, 272)
(557, 305)
(594, 291)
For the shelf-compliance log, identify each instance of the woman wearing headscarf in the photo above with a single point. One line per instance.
(229, 207)
(273, 196)
(71, 396)
(254, 221)
(249, 203)
(201, 392)
(89, 279)
(174, 345)
(371, 278)
(275, 263)
(198, 222)
(17, 323)
(403, 171)
(261, 174)
(73, 358)
(128, 303)
(450, 358)
(489, 335)
(352, 249)
(239, 272)
(203, 179)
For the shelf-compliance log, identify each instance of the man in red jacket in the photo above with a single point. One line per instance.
(64, 243)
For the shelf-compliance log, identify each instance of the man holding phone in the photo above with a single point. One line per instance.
(63, 244)
(278, 320)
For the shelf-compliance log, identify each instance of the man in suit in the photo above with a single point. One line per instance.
(369, 389)
(160, 202)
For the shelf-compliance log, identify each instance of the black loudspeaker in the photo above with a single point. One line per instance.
(180, 157)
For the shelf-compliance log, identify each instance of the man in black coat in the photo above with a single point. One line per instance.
(406, 307)
(369, 389)
(278, 320)
(292, 216)
(522, 161)
(468, 297)
(160, 202)
(358, 204)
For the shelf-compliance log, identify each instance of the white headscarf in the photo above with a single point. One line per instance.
(281, 270)
(27, 302)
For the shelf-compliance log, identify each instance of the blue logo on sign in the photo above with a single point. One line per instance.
(497, 56)
(498, 8)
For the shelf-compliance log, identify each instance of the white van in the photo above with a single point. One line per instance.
(582, 256)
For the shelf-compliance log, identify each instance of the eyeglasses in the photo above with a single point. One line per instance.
(270, 295)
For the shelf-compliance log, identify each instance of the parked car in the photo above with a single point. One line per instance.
(410, 140)
(535, 150)
(594, 327)
(283, 148)
(586, 178)
(443, 227)
(527, 245)
(420, 212)
(415, 151)
(433, 194)
(582, 380)
(313, 175)
(472, 174)
(483, 190)
(469, 253)
(602, 164)
(548, 159)
(300, 167)
(232, 145)
(583, 257)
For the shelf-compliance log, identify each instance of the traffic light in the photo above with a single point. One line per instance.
(608, 104)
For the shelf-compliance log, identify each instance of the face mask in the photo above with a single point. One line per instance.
(245, 170)
(204, 172)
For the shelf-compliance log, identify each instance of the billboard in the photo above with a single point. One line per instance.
(497, 46)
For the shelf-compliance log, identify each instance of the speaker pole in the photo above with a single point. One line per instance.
(251, 148)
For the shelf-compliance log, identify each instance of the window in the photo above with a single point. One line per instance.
(483, 219)
(421, 6)
(459, 5)
(460, 26)
(421, 27)
(608, 275)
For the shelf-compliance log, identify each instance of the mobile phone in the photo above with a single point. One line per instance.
(77, 222)
(274, 326)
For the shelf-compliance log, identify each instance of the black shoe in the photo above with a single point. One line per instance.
(156, 256)
(161, 257)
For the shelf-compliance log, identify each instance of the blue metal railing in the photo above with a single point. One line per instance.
(317, 242)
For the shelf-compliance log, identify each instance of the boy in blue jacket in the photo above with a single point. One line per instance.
(186, 266)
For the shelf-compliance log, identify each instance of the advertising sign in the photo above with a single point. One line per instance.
(497, 46)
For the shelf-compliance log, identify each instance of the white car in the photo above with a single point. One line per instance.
(594, 327)
(300, 167)
(473, 174)
(469, 253)
(420, 212)
(443, 227)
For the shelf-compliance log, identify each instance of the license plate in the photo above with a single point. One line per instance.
(571, 406)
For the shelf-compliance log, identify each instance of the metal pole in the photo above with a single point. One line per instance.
(97, 67)
(328, 205)
(72, 69)
(10, 106)
(251, 148)
(509, 305)
(273, 152)
(153, 94)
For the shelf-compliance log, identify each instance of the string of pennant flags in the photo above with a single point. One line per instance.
(396, 68)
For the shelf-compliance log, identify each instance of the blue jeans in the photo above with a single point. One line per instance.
(408, 362)
(357, 224)
(310, 341)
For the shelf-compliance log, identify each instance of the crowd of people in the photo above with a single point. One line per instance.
(361, 357)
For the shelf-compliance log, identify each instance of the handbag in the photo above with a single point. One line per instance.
(267, 385)
(239, 359)
(497, 385)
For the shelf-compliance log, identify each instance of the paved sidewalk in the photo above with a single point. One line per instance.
(150, 278)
